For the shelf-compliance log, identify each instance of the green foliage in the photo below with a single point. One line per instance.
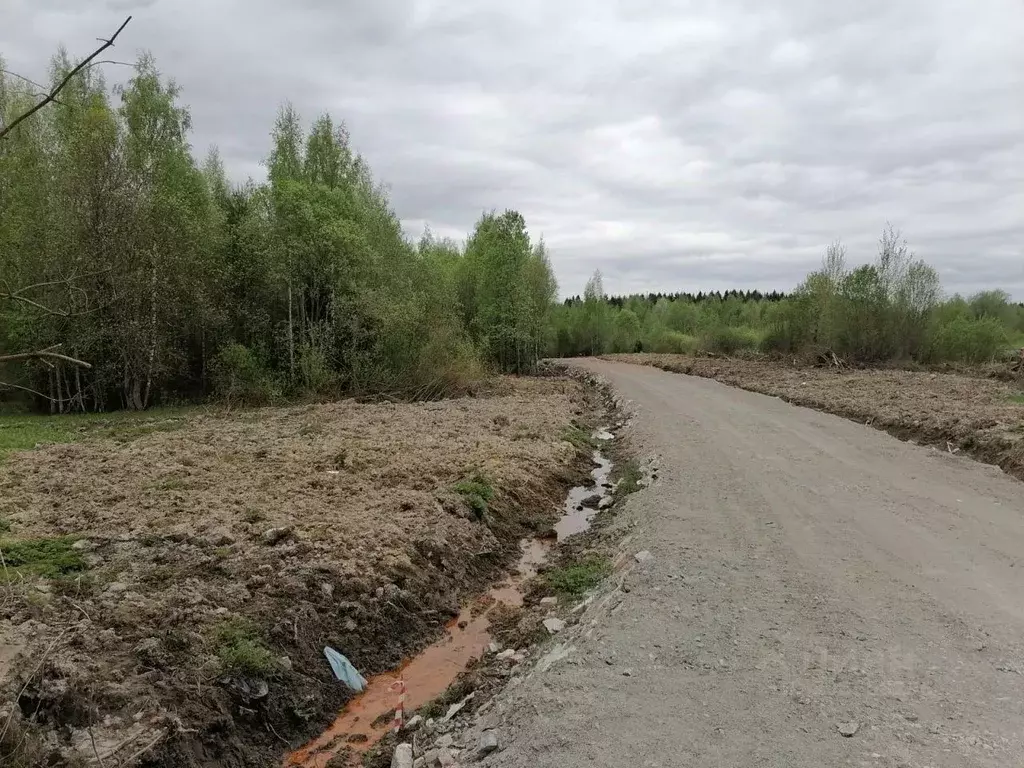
(183, 286)
(579, 577)
(240, 648)
(477, 491)
(890, 310)
(580, 438)
(629, 479)
(50, 558)
(968, 340)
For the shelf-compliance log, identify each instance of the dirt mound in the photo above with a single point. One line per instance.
(981, 417)
(168, 600)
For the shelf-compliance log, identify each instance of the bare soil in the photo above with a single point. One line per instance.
(219, 559)
(980, 416)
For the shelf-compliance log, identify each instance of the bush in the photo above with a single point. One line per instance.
(670, 342)
(578, 578)
(477, 491)
(240, 649)
(727, 340)
(240, 376)
(968, 340)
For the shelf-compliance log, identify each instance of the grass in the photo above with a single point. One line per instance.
(477, 491)
(579, 577)
(579, 437)
(51, 558)
(19, 432)
(629, 479)
(1016, 398)
(240, 648)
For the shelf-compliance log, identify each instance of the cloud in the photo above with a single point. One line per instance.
(695, 145)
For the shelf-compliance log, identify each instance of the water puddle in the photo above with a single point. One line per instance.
(366, 718)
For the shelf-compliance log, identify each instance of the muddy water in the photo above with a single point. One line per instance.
(365, 719)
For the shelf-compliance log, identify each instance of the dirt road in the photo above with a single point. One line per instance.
(808, 572)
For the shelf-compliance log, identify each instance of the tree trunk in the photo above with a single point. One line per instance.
(152, 332)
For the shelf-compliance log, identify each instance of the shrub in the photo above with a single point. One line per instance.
(670, 342)
(240, 376)
(51, 558)
(727, 340)
(968, 340)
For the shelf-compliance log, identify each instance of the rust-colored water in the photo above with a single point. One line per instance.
(429, 674)
(426, 676)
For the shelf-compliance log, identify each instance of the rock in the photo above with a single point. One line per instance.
(446, 741)
(445, 757)
(553, 625)
(606, 502)
(848, 729)
(627, 673)
(430, 757)
(327, 589)
(493, 648)
(82, 545)
(414, 722)
(486, 722)
(643, 556)
(117, 587)
(402, 757)
(549, 601)
(273, 536)
(220, 538)
(419, 762)
(507, 654)
(285, 663)
(488, 743)
(591, 502)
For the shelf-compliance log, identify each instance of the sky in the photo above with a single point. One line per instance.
(691, 145)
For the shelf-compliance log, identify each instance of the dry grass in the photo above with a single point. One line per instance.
(376, 551)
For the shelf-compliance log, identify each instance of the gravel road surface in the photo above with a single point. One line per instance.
(811, 577)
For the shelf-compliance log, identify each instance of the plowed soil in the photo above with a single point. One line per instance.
(211, 565)
(981, 417)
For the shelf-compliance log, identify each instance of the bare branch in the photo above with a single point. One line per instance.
(27, 389)
(44, 355)
(51, 96)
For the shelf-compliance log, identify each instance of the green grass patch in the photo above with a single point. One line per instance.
(579, 577)
(51, 558)
(579, 437)
(241, 649)
(629, 479)
(477, 491)
(1016, 398)
(19, 432)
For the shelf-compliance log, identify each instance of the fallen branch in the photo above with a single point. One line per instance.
(52, 95)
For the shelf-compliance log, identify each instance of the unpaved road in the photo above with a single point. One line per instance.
(807, 571)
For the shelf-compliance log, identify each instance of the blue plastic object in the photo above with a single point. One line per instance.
(344, 671)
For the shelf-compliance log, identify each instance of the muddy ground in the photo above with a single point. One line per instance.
(980, 416)
(167, 600)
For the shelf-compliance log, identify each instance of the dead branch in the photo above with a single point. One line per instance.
(51, 96)
(44, 355)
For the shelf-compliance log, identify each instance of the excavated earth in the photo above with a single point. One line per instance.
(189, 580)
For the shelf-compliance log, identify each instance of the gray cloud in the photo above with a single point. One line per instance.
(689, 145)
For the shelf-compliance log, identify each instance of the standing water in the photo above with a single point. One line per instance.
(365, 719)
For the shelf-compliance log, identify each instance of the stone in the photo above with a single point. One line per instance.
(553, 625)
(848, 729)
(117, 587)
(446, 741)
(493, 648)
(327, 589)
(592, 501)
(445, 758)
(402, 757)
(488, 743)
(549, 601)
(414, 722)
(273, 536)
(82, 545)
(285, 663)
(507, 654)
(643, 556)
(419, 762)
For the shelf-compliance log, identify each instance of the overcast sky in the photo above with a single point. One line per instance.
(686, 145)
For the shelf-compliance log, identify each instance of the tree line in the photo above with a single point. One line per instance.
(160, 281)
(132, 274)
(890, 310)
